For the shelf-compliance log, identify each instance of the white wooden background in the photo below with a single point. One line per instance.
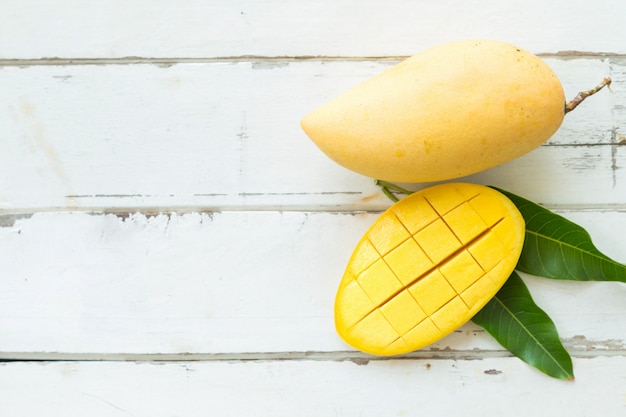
(171, 242)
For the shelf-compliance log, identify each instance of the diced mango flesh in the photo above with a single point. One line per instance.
(426, 266)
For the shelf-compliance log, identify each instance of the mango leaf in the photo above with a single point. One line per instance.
(555, 247)
(524, 329)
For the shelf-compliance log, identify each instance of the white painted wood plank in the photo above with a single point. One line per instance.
(491, 387)
(90, 29)
(227, 135)
(230, 282)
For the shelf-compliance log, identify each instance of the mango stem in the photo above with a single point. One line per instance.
(606, 82)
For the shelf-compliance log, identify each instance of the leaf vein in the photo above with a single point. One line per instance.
(529, 334)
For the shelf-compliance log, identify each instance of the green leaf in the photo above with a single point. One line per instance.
(524, 329)
(555, 247)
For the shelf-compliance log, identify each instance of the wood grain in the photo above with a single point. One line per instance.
(226, 135)
(489, 387)
(144, 28)
(228, 282)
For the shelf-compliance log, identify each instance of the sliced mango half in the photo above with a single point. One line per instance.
(426, 266)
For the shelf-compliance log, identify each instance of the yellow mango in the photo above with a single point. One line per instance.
(450, 111)
(426, 266)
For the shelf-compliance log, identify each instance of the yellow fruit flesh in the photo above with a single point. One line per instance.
(451, 111)
(426, 266)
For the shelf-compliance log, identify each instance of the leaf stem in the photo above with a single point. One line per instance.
(389, 194)
(606, 82)
(388, 188)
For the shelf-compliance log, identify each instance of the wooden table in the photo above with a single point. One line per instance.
(171, 241)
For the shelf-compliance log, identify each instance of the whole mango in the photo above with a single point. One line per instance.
(450, 111)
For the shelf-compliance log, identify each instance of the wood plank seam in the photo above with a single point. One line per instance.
(130, 60)
(336, 356)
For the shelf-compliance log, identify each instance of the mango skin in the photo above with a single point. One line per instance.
(448, 112)
(426, 266)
